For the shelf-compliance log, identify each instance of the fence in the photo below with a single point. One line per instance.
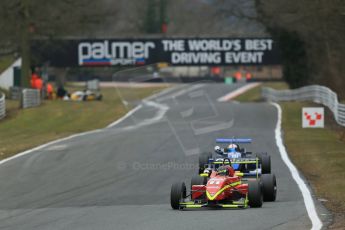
(30, 98)
(15, 93)
(315, 93)
(93, 85)
(2, 106)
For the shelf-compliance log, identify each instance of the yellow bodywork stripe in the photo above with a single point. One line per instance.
(222, 190)
(231, 205)
(193, 206)
(238, 174)
(240, 203)
(203, 174)
(186, 203)
(257, 167)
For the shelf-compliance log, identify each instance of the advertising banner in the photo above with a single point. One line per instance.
(177, 52)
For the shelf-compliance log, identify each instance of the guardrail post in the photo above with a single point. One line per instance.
(2, 106)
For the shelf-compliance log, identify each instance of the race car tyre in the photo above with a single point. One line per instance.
(198, 180)
(269, 187)
(177, 194)
(203, 160)
(259, 155)
(255, 198)
(265, 164)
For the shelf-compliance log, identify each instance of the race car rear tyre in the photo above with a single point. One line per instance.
(177, 194)
(265, 164)
(259, 155)
(203, 160)
(269, 187)
(255, 198)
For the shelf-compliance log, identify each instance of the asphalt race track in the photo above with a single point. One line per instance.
(120, 177)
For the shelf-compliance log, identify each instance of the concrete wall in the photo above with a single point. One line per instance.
(190, 71)
(6, 77)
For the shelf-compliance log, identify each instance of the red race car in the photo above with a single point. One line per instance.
(224, 189)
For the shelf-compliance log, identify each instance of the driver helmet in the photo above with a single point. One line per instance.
(223, 171)
(207, 171)
(217, 149)
(232, 148)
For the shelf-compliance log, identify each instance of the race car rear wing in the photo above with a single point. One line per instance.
(235, 161)
(234, 140)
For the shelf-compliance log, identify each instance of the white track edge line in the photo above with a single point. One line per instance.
(48, 144)
(81, 134)
(71, 137)
(238, 92)
(130, 113)
(161, 93)
(165, 91)
(308, 200)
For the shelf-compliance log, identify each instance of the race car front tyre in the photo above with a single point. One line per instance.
(203, 160)
(255, 198)
(198, 180)
(177, 194)
(269, 187)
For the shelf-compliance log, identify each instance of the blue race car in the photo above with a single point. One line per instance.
(247, 162)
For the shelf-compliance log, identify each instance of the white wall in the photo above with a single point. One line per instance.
(191, 71)
(6, 77)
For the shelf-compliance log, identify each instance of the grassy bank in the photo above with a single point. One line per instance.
(24, 129)
(254, 95)
(318, 153)
(5, 62)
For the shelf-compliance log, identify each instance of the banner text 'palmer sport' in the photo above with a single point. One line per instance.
(178, 52)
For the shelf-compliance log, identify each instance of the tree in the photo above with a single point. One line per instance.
(319, 24)
(23, 20)
(163, 18)
(151, 18)
(214, 18)
(156, 16)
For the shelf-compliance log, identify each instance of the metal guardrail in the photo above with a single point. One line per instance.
(2, 106)
(93, 85)
(316, 93)
(30, 98)
(15, 93)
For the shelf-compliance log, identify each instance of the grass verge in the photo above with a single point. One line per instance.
(318, 153)
(5, 61)
(254, 95)
(25, 129)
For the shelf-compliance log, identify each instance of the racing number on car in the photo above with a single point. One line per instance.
(214, 182)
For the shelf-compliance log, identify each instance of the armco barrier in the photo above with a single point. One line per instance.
(316, 93)
(15, 93)
(30, 98)
(2, 106)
